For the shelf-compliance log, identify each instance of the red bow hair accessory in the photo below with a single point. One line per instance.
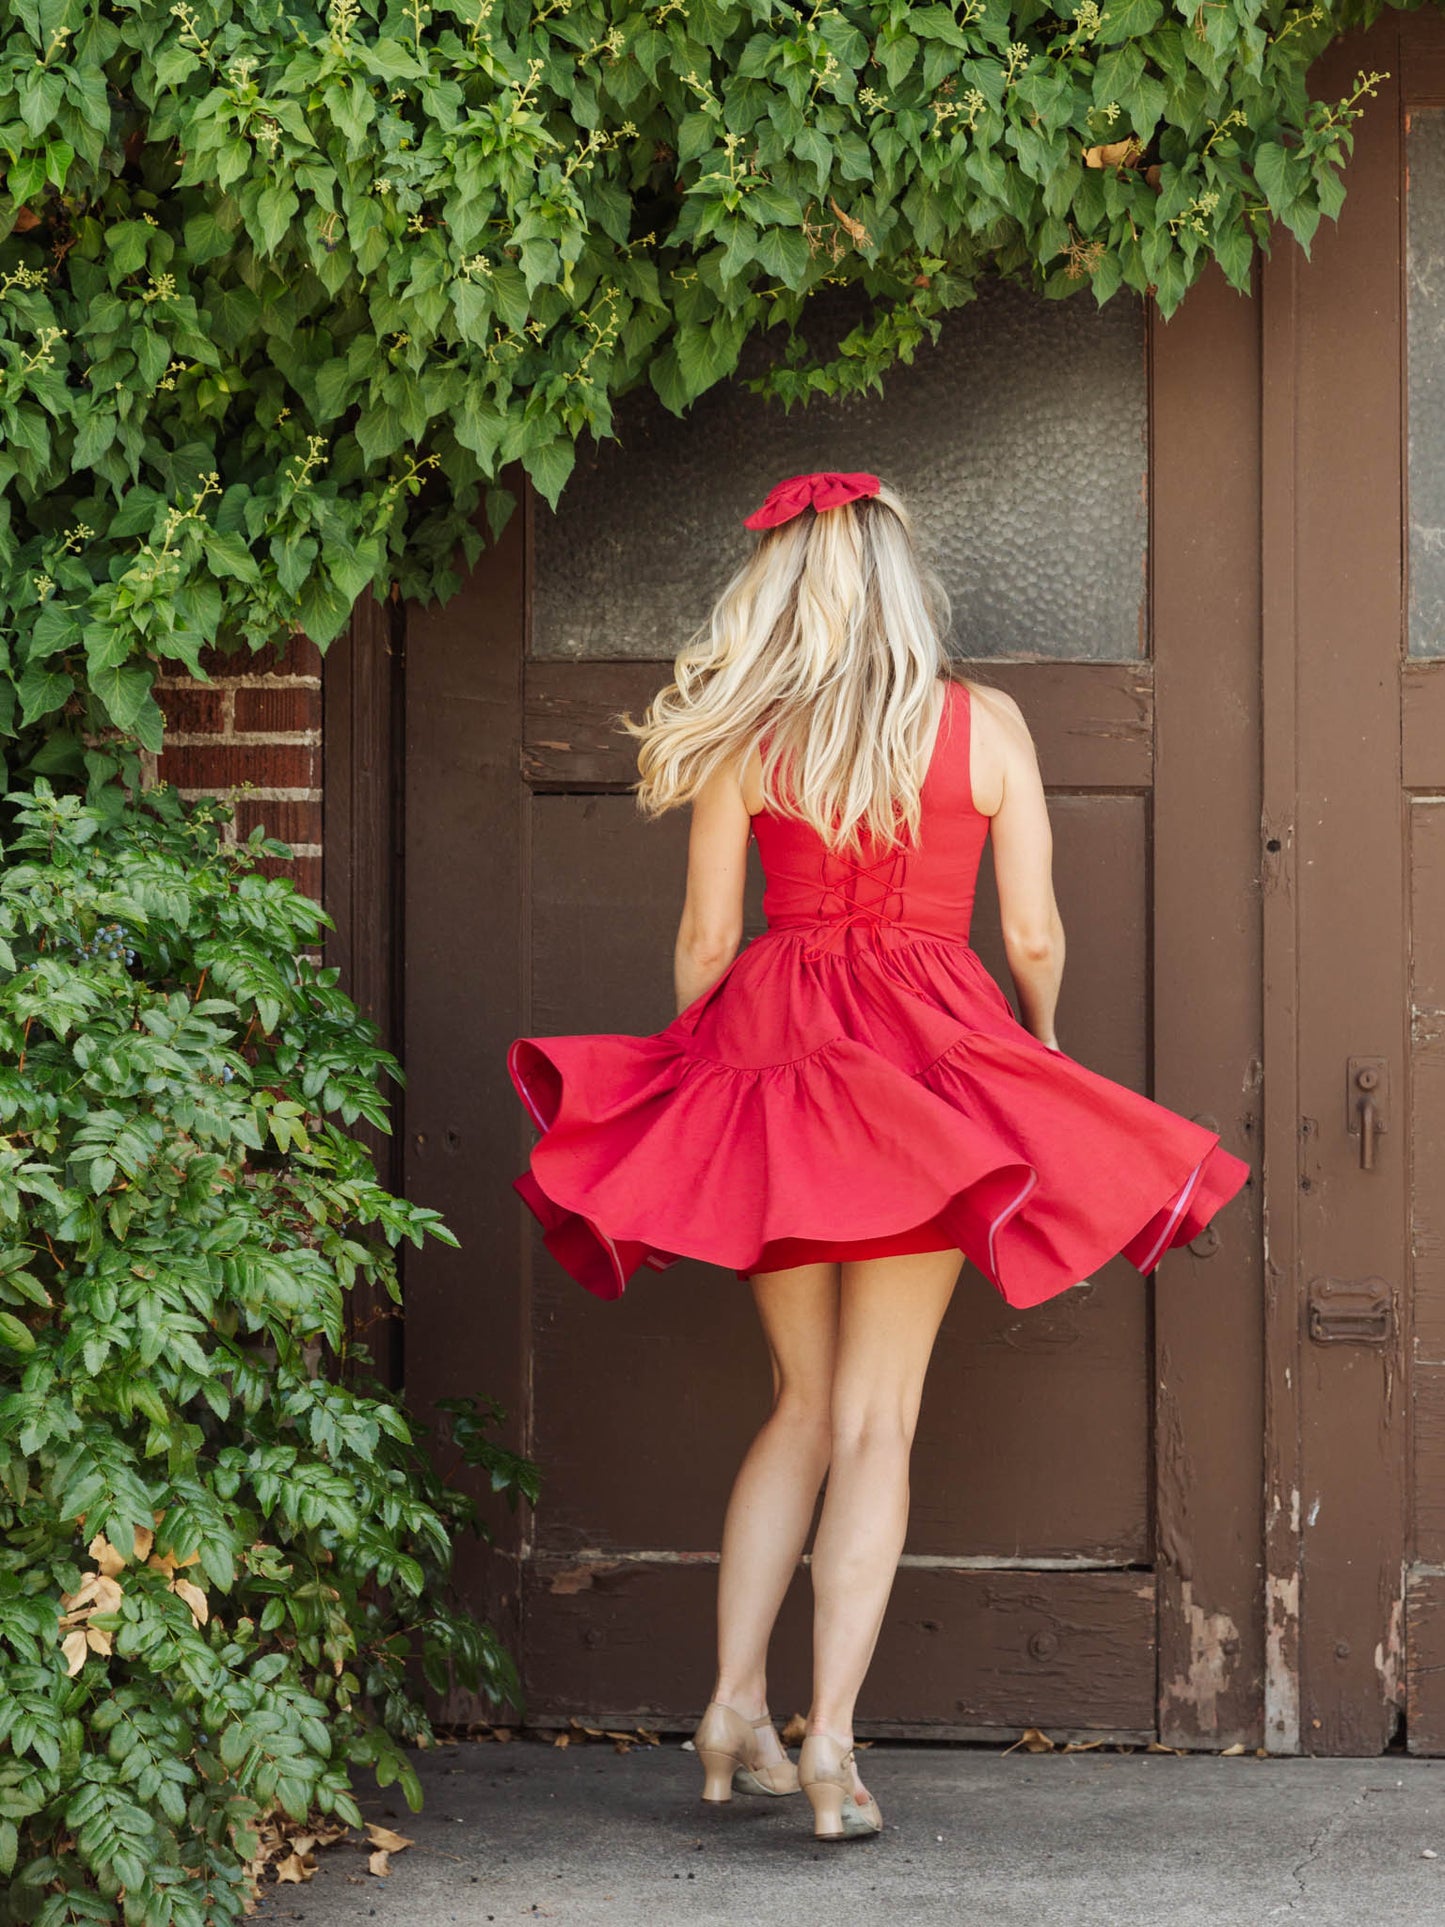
(799, 492)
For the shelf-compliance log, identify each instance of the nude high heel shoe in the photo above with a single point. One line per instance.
(726, 1743)
(824, 1773)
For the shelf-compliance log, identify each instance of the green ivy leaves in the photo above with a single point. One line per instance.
(216, 1557)
(309, 282)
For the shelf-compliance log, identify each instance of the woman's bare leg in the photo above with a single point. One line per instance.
(888, 1317)
(776, 1488)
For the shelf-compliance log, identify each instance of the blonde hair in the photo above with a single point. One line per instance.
(827, 642)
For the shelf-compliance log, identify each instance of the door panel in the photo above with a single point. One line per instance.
(965, 1649)
(683, 1351)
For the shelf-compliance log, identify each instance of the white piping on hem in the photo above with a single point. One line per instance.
(521, 1084)
(1174, 1216)
(1002, 1219)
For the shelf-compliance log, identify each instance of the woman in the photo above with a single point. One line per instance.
(847, 1108)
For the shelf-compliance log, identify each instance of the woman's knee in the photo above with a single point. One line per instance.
(806, 1411)
(871, 1427)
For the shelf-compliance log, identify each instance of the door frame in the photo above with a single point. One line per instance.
(470, 767)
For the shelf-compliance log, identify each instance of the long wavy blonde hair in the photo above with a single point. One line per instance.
(824, 650)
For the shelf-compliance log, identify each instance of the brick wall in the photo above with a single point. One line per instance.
(253, 736)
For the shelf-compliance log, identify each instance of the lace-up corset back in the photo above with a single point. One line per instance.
(925, 886)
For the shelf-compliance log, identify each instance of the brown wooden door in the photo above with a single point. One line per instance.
(1086, 1525)
(1354, 457)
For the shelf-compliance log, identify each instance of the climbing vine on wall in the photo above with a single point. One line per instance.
(285, 288)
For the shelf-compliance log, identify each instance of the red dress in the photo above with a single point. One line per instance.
(855, 1084)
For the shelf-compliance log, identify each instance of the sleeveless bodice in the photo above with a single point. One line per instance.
(926, 886)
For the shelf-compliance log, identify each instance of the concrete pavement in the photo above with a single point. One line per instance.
(585, 1837)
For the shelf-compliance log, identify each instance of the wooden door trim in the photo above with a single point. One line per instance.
(469, 1311)
(1105, 742)
(362, 698)
(1279, 736)
(1207, 1299)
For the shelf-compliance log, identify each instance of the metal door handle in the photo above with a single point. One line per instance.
(1369, 1124)
(1367, 1104)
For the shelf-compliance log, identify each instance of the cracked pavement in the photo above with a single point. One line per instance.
(583, 1836)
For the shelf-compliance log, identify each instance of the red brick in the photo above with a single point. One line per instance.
(292, 822)
(273, 711)
(192, 707)
(293, 656)
(304, 872)
(223, 766)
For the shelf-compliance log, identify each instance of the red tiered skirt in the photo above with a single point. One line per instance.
(867, 1099)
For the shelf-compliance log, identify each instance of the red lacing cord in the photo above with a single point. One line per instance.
(875, 914)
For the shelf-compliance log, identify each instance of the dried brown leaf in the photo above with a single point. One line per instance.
(194, 1598)
(1113, 153)
(97, 1641)
(294, 1869)
(105, 1555)
(1229, 1752)
(380, 1836)
(1034, 1740)
(86, 1593)
(379, 1863)
(73, 1647)
(854, 229)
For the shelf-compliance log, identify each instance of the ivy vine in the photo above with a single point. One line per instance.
(284, 289)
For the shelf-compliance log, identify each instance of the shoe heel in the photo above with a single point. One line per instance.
(718, 1769)
(826, 1800)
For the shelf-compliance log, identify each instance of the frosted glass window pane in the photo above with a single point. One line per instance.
(1020, 440)
(1425, 303)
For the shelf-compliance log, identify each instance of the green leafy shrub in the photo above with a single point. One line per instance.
(267, 273)
(221, 1550)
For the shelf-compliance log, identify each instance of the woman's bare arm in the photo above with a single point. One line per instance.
(712, 916)
(1033, 933)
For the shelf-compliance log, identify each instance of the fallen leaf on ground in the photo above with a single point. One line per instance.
(1228, 1752)
(380, 1836)
(379, 1863)
(1034, 1740)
